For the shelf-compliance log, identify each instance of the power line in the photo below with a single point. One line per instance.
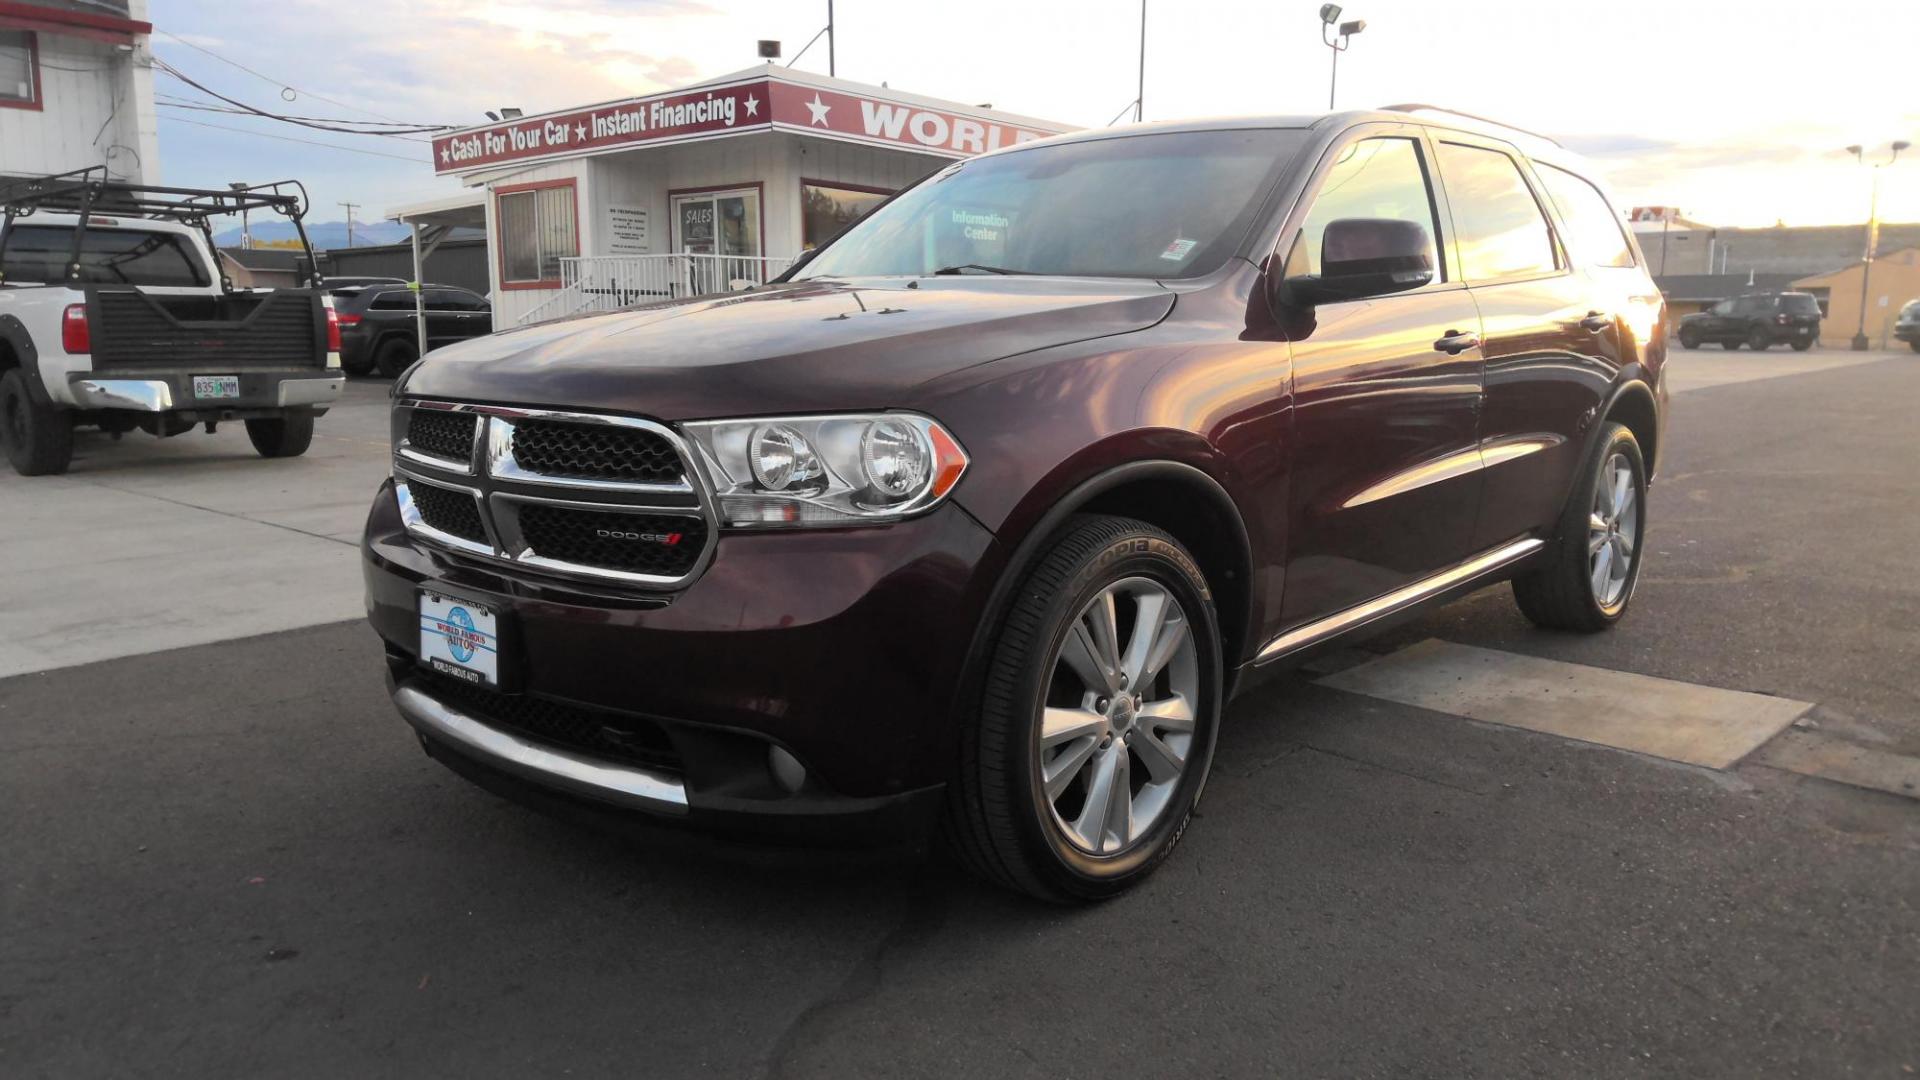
(292, 139)
(283, 85)
(183, 77)
(183, 103)
(179, 102)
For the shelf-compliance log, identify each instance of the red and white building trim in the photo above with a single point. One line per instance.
(76, 88)
(722, 181)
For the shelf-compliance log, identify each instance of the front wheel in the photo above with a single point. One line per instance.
(1758, 341)
(1586, 583)
(1689, 340)
(281, 436)
(1802, 346)
(1097, 716)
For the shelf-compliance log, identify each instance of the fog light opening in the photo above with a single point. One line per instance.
(786, 769)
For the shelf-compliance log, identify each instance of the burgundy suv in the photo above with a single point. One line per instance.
(982, 513)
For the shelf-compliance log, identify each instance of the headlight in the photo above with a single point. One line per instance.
(827, 470)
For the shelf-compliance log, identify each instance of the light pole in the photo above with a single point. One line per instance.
(1860, 342)
(1337, 41)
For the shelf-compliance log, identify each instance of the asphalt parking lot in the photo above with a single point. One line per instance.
(224, 854)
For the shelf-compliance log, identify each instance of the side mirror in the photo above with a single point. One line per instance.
(1362, 257)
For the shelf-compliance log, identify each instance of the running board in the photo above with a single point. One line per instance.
(1398, 600)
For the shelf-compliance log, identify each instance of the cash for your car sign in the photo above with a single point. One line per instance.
(754, 105)
(459, 638)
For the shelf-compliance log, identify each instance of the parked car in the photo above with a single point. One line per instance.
(1907, 327)
(115, 314)
(1758, 321)
(379, 330)
(983, 512)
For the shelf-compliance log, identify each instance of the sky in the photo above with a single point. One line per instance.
(1735, 112)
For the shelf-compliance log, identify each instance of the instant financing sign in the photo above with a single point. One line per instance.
(760, 105)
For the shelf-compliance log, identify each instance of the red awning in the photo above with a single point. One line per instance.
(15, 15)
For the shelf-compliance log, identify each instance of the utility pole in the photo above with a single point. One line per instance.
(831, 71)
(1140, 91)
(351, 207)
(1860, 342)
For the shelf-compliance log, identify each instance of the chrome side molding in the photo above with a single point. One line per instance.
(622, 785)
(1404, 597)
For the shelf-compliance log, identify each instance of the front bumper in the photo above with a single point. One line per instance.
(1908, 332)
(841, 648)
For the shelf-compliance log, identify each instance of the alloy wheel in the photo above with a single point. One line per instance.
(1613, 531)
(1117, 725)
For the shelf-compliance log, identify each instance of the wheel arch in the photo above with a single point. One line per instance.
(1182, 499)
(17, 350)
(1633, 404)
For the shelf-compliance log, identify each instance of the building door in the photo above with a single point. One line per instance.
(718, 235)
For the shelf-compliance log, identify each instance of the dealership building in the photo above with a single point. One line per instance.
(701, 189)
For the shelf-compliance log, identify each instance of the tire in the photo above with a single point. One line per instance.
(1802, 346)
(1758, 341)
(1689, 341)
(394, 356)
(38, 438)
(1561, 594)
(1001, 821)
(282, 436)
(1914, 345)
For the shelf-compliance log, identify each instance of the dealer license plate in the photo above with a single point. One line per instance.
(460, 638)
(216, 386)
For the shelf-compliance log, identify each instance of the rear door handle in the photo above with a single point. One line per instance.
(1596, 321)
(1456, 342)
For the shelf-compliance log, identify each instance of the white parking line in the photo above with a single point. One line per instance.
(1699, 725)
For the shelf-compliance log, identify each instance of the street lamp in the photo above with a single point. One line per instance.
(1337, 41)
(1860, 342)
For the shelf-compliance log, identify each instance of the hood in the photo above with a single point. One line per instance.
(814, 346)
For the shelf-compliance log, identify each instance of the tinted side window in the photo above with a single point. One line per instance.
(107, 256)
(1724, 307)
(1372, 178)
(1502, 233)
(1597, 235)
(394, 298)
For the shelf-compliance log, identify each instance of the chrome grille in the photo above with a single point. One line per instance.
(452, 512)
(575, 494)
(599, 452)
(442, 434)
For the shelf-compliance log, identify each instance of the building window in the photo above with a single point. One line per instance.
(19, 70)
(538, 228)
(825, 209)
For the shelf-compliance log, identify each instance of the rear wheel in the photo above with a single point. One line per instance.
(1802, 346)
(395, 356)
(281, 436)
(1097, 719)
(1758, 341)
(38, 438)
(1587, 582)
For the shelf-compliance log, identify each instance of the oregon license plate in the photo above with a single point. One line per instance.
(216, 386)
(460, 638)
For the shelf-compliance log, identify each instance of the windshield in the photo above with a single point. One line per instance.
(107, 256)
(1799, 304)
(1170, 205)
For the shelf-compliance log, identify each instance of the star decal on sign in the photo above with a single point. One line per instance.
(753, 105)
(444, 155)
(580, 132)
(818, 109)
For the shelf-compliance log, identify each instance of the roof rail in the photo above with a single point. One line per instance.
(1416, 106)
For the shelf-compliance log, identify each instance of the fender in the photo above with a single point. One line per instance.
(1634, 387)
(1029, 550)
(14, 333)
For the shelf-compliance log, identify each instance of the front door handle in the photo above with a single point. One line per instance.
(1596, 321)
(1457, 342)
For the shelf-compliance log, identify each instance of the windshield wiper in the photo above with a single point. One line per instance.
(982, 267)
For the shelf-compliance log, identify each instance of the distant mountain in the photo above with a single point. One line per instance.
(324, 235)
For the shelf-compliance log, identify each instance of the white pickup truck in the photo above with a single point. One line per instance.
(117, 314)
